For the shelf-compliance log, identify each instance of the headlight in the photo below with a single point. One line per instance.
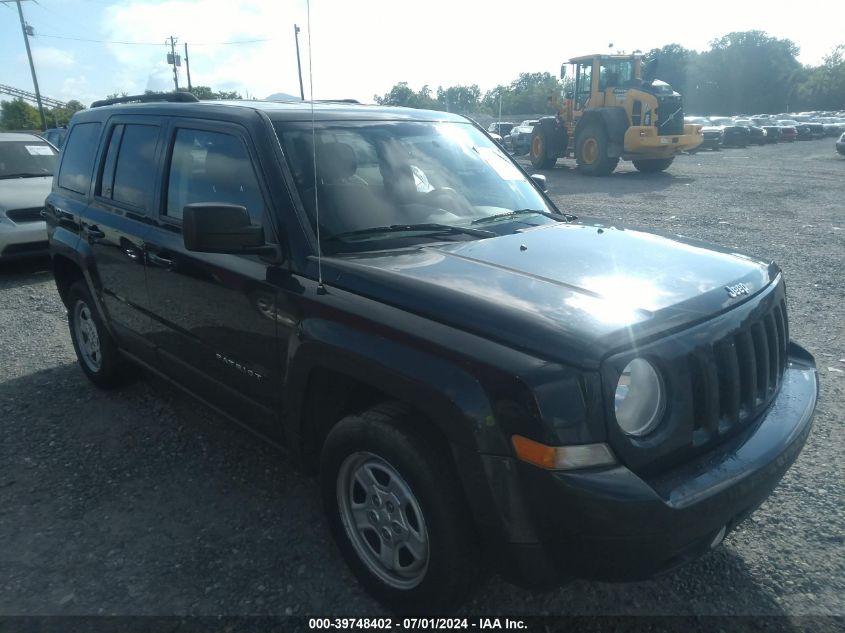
(640, 398)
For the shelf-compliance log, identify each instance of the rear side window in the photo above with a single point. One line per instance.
(78, 161)
(129, 171)
(212, 167)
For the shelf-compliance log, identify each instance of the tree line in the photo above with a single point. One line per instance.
(745, 72)
(17, 114)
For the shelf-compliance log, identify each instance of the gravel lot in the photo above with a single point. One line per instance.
(143, 502)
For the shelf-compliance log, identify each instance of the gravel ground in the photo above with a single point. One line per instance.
(143, 502)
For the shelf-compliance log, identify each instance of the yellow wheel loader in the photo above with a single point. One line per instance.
(613, 114)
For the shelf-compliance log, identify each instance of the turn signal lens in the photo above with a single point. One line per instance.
(562, 457)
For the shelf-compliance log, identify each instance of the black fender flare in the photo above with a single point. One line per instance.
(615, 122)
(447, 394)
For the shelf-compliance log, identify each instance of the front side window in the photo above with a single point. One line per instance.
(26, 159)
(615, 73)
(212, 167)
(584, 84)
(78, 162)
(376, 179)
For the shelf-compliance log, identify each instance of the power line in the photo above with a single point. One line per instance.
(85, 39)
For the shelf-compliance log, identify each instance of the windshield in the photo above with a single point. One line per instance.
(718, 121)
(391, 174)
(26, 159)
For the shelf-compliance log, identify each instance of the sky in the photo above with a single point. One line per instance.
(361, 47)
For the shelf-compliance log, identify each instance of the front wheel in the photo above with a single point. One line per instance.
(591, 151)
(653, 165)
(397, 511)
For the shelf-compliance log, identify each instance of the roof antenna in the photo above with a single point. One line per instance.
(321, 289)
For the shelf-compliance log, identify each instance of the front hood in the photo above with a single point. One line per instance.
(24, 193)
(569, 292)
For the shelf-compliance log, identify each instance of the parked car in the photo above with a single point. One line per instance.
(56, 136)
(756, 134)
(712, 133)
(26, 176)
(732, 135)
(788, 131)
(802, 130)
(770, 127)
(520, 137)
(502, 128)
(570, 400)
(840, 145)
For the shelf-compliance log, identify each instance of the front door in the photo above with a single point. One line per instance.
(218, 322)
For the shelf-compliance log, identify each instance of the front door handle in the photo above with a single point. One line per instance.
(161, 261)
(94, 233)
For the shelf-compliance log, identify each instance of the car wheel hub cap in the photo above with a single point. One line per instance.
(87, 337)
(383, 520)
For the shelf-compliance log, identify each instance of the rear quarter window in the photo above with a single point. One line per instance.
(78, 162)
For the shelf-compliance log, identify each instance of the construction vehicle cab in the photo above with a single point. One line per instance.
(612, 113)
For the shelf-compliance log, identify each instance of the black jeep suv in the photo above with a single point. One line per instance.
(471, 372)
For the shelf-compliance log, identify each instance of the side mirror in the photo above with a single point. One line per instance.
(220, 228)
(540, 181)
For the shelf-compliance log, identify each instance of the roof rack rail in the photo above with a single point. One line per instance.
(184, 97)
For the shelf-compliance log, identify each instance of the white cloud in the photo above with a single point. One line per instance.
(48, 57)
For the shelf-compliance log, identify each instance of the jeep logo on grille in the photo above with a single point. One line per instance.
(737, 290)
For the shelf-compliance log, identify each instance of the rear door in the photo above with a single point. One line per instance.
(217, 317)
(117, 222)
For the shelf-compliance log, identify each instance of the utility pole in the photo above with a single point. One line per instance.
(188, 67)
(27, 31)
(298, 63)
(172, 60)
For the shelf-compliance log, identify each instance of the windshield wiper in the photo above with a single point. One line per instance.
(511, 214)
(25, 174)
(431, 228)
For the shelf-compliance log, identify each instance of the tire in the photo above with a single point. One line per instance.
(591, 151)
(539, 151)
(653, 165)
(402, 468)
(95, 349)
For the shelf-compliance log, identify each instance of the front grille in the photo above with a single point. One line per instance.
(670, 107)
(737, 377)
(20, 216)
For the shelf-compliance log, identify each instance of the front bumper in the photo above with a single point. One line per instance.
(22, 240)
(644, 142)
(610, 524)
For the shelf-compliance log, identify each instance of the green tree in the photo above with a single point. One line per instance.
(823, 87)
(527, 94)
(462, 99)
(59, 117)
(404, 96)
(17, 114)
(746, 72)
(206, 93)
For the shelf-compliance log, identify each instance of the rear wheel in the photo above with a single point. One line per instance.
(397, 511)
(540, 158)
(591, 151)
(95, 349)
(653, 165)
